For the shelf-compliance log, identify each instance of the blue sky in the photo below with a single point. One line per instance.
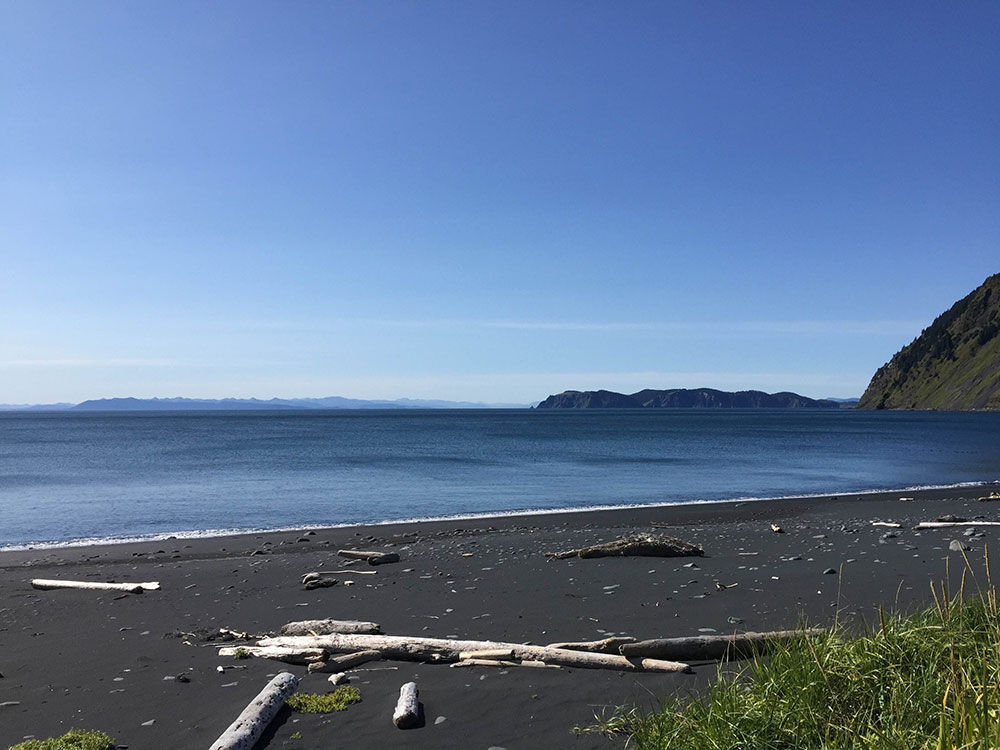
(487, 200)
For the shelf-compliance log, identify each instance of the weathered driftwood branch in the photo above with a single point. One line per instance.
(610, 645)
(890, 524)
(946, 524)
(338, 571)
(711, 647)
(373, 558)
(495, 653)
(243, 733)
(503, 663)
(322, 627)
(404, 648)
(641, 545)
(407, 713)
(345, 662)
(46, 584)
(278, 653)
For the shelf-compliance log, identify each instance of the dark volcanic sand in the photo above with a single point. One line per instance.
(98, 659)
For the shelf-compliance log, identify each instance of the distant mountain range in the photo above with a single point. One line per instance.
(953, 364)
(684, 398)
(248, 404)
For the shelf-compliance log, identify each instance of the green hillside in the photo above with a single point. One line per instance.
(953, 364)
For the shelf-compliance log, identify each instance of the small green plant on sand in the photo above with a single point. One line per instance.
(928, 681)
(241, 653)
(74, 739)
(316, 703)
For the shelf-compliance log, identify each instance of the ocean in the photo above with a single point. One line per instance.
(68, 477)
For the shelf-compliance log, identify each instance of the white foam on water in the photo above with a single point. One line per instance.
(215, 533)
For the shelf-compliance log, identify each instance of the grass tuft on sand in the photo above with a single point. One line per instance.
(74, 739)
(930, 680)
(324, 703)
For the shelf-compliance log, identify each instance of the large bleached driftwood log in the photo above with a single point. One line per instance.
(323, 627)
(243, 733)
(136, 588)
(711, 647)
(405, 648)
(373, 558)
(641, 545)
(946, 524)
(407, 713)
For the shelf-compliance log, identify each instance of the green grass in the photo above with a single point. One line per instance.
(74, 739)
(317, 703)
(930, 680)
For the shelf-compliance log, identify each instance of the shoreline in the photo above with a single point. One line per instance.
(486, 515)
(108, 661)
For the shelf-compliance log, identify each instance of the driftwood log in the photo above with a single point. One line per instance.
(243, 733)
(323, 627)
(711, 647)
(404, 648)
(640, 545)
(890, 524)
(371, 557)
(46, 584)
(407, 712)
(610, 645)
(503, 663)
(345, 662)
(278, 653)
(946, 524)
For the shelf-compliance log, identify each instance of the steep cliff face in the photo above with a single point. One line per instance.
(683, 398)
(953, 364)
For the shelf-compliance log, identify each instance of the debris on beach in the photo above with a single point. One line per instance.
(641, 545)
(989, 498)
(407, 711)
(304, 649)
(340, 664)
(890, 524)
(371, 557)
(312, 581)
(45, 584)
(939, 524)
(777, 529)
(617, 653)
(611, 645)
(710, 647)
(243, 733)
(323, 627)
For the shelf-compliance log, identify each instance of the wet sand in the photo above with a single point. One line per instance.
(106, 660)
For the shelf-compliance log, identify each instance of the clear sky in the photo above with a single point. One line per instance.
(486, 200)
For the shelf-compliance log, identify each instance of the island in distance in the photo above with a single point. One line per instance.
(688, 398)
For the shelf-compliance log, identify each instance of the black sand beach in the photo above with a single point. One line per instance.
(107, 660)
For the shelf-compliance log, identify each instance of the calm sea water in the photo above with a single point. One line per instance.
(69, 476)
